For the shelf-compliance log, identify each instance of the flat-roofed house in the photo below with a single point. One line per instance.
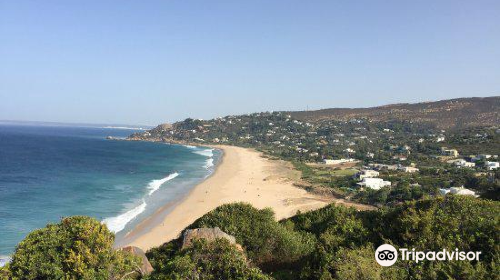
(367, 173)
(374, 183)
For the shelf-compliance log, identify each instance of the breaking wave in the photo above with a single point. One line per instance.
(118, 223)
(156, 184)
(209, 163)
(206, 152)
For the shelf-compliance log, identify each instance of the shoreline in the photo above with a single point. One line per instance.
(157, 217)
(240, 175)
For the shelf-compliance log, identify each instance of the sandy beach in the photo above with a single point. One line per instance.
(242, 175)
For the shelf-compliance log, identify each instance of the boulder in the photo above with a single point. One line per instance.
(209, 234)
(146, 267)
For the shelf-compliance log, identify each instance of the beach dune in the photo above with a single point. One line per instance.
(243, 175)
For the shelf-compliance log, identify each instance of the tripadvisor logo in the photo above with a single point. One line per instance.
(387, 255)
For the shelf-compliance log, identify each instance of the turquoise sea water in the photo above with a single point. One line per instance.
(49, 172)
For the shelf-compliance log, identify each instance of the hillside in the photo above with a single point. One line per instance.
(407, 143)
(453, 113)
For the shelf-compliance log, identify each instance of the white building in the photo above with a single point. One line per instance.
(463, 163)
(374, 183)
(338, 161)
(367, 173)
(457, 191)
(480, 157)
(491, 165)
(440, 139)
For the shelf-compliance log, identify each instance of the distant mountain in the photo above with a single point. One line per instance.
(453, 113)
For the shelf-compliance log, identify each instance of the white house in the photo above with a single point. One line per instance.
(464, 163)
(374, 183)
(367, 173)
(492, 165)
(338, 161)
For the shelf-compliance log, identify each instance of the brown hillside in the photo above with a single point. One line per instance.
(453, 113)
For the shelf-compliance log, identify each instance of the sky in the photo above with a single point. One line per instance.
(148, 62)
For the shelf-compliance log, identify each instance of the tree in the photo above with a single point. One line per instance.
(77, 248)
(206, 260)
(462, 222)
(267, 242)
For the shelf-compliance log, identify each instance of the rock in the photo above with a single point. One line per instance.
(146, 267)
(209, 234)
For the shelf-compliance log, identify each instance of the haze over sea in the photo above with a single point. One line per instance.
(52, 171)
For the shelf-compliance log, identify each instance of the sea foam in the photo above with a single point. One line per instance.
(156, 184)
(118, 223)
(206, 152)
(4, 260)
(209, 163)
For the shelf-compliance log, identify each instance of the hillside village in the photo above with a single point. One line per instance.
(374, 162)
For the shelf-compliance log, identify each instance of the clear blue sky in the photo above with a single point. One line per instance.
(146, 62)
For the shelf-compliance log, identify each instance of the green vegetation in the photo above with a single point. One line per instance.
(206, 260)
(334, 242)
(388, 145)
(76, 248)
(4, 272)
(267, 242)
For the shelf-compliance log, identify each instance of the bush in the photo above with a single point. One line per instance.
(347, 239)
(4, 272)
(336, 242)
(209, 261)
(462, 222)
(267, 242)
(76, 248)
(359, 264)
(338, 226)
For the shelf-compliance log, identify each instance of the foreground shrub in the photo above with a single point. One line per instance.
(76, 248)
(267, 242)
(208, 261)
(347, 239)
(450, 222)
(4, 273)
(334, 226)
(336, 242)
(359, 264)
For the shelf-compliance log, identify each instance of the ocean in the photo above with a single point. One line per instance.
(48, 172)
